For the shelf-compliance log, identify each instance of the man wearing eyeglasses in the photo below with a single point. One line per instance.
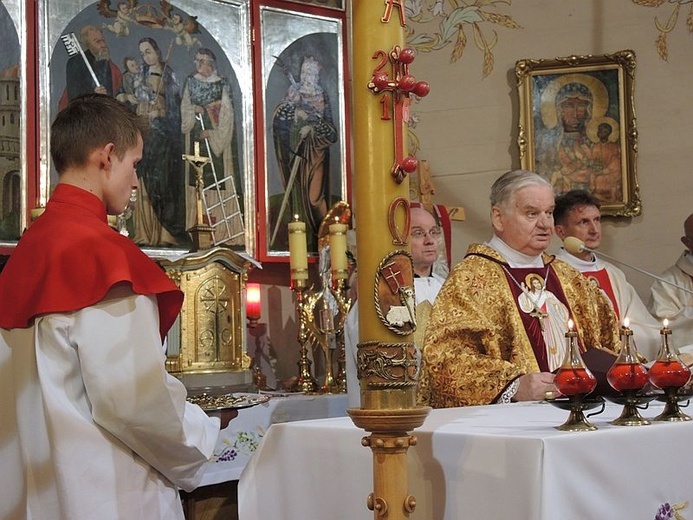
(425, 236)
(670, 302)
(488, 338)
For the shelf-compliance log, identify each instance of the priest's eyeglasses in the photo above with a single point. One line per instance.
(420, 234)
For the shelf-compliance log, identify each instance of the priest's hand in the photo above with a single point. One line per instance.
(536, 387)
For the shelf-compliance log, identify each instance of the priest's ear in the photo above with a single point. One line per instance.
(497, 218)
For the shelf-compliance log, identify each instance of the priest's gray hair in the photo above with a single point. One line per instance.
(507, 184)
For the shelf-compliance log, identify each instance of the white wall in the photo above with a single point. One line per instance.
(467, 125)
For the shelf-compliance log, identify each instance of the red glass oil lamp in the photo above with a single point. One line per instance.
(573, 377)
(574, 380)
(628, 376)
(669, 374)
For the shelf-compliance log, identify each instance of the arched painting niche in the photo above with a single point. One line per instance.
(188, 71)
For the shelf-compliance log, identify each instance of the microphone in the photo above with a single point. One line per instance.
(575, 246)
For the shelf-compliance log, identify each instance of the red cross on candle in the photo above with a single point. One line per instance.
(396, 92)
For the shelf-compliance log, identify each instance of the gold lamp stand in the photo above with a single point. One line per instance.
(305, 382)
(318, 325)
(672, 411)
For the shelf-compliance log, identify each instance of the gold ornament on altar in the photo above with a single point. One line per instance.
(206, 345)
(322, 312)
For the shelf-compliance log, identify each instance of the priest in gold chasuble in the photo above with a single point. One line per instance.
(497, 329)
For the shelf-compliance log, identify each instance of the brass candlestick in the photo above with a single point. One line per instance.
(323, 331)
(305, 382)
(343, 306)
(322, 314)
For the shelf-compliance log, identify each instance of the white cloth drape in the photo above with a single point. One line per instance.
(674, 304)
(100, 429)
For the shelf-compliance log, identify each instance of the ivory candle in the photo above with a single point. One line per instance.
(338, 247)
(298, 250)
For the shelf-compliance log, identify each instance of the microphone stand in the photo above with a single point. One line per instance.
(578, 246)
(639, 270)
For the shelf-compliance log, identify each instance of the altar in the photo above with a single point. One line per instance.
(245, 433)
(498, 461)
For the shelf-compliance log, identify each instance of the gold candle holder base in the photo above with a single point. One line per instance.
(630, 416)
(576, 423)
(330, 385)
(305, 382)
(672, 412)
(577, 404)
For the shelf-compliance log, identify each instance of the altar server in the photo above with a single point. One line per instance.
(92, 424)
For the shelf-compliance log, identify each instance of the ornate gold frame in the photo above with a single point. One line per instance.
(605, 166)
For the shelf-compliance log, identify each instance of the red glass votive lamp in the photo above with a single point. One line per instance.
(253, 304)
(668, 371)
(574, 381)
(665, 374)
(573, 378)
(627, 374)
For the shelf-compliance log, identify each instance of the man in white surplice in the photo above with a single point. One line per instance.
(577, 214)
(672, 303)
(93, 427)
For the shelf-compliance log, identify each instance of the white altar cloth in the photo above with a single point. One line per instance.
(492, 462)
(241, 438)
